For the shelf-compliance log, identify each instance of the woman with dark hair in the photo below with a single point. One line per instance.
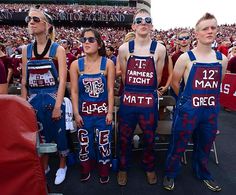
(92, 92)
(44, 82)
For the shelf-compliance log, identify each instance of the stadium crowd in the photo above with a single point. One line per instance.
(71, 8)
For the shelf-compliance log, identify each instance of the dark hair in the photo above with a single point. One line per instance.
(102, 49)
(111, 48)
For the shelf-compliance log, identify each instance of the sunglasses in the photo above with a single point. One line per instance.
(34, 18)
(183, 38)
(147, 20)
(89, 39)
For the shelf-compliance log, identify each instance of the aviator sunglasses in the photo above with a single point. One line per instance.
(89, 39)
(183, 38)
(34, 18)
(147, 20)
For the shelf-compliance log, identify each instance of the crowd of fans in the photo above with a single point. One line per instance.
(13, 37)
(70, 8)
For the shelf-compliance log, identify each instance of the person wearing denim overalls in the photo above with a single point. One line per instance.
(198, 104)
(141, 63)
(44, 85)
(92, 92)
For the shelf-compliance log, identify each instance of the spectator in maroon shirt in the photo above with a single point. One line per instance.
(69, 56)
(183, 41)
(7, 63)
(3, 79)
(231, 68)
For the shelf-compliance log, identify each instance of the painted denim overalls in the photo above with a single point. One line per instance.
(95, 136)
(42, 84)
(196, 114)
(139, 104)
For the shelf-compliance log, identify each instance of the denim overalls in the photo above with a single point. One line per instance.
(139, 104)
(93, 107)
(42, 84)
(196, 114)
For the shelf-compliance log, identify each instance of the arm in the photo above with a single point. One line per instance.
(23, 80)
(74, 74)
(163, 89)
(110, 89)
(118, 68)
(122, 60)
(160, 56)
(178, 72)
(224, 66)
(61, 57)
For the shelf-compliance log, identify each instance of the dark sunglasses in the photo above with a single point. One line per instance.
(147, 20)
(183, 38)
(89, 39)
(34, 18)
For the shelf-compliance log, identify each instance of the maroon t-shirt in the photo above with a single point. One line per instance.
(232, 65)
(3, 76)
(7, 63)
(69, 59)
(176, 56)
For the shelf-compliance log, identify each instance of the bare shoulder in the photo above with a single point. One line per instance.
(161, 48)
(123, 48)
(183, 60)
(110, 63)
(24, 49)
(224, 60)
(74, 64)
(60, 49)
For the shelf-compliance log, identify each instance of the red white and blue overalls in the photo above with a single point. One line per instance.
(42, 84)
(93, 107)
(139, 104)
(196, 114)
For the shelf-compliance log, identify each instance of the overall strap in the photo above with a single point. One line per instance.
(219, 56)
(53, 50)
(131, 46)
(29, 51)
(191, 55)
(153, 47)
(103, 64)
(81, 64)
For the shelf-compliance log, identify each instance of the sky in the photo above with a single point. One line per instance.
(168, 14)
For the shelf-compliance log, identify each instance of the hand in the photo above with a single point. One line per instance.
(109, 118)
(56, 114)
(162, 90)
(79, 121)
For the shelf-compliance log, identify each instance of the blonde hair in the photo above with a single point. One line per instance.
(49, 21)
(206, 16)
(129, 36)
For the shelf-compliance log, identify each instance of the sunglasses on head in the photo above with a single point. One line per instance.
(183, 38)
(89, 39)
(147, 20)
(34, 18)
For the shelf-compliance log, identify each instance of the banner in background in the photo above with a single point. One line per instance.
(228, 91)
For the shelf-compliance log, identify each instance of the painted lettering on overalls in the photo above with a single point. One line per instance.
(135, 99)
(139, 73)
(205, 79)
(93, 86)
(104, 145)
(84, 143)
(94, 108)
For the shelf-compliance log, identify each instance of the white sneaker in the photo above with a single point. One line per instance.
(60, 175)
(46, 171)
